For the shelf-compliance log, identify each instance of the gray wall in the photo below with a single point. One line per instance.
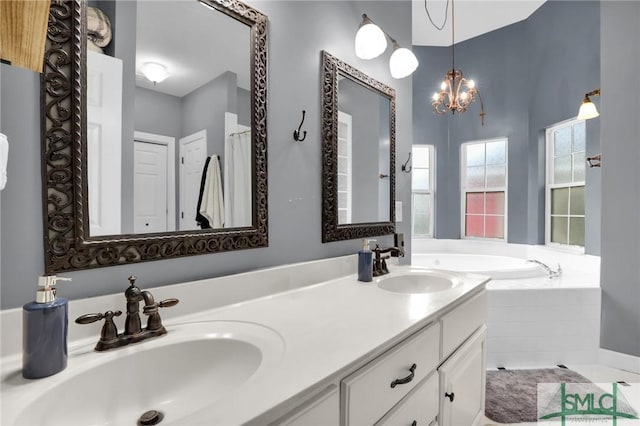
(158, 113)
(204, 108)
(244, 107)
(620, 269)
(125, 28)
(531, 75)
(295, 181)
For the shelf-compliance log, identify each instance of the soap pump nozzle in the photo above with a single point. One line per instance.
(46, 291)
(365, 244)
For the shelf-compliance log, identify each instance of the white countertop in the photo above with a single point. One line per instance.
(326, 328)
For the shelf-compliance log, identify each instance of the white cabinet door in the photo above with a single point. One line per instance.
(462, 383)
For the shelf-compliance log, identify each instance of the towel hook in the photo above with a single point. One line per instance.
(404, 166)
(595, 161)
(296, 133)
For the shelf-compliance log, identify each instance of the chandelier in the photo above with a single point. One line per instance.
(456, 91)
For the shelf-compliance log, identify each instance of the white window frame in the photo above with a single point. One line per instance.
(549, 185)
(464, 190)
(346, 119)
(431, 192)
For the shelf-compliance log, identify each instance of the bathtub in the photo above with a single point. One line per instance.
(497, 267)
(533, 321)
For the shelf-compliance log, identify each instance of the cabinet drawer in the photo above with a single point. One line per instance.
(420, 406)
(460, 323)
(367, 394)
(322, 410)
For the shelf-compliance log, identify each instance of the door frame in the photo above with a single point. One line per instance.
(200, 134)
(170, 143)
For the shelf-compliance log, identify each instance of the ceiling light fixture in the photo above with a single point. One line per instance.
(154, 72)
(371, 42)
(587, 108)
(456, 91)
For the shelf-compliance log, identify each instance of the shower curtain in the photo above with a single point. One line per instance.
(237, 205)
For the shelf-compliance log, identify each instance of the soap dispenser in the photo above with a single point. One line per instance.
(365, 262)
(44, 331)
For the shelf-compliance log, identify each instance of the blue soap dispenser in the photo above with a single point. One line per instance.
(44, 331)
(365, 262)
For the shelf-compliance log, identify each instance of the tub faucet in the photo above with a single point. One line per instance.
(133, 331)
(550, 272)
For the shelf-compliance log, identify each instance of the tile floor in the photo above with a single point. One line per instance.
(597, 374)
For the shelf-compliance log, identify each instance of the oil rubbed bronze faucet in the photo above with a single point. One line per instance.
(133, 331)
(380, 262)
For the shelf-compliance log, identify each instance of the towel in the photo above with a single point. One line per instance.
(211, 202)
(4, 157)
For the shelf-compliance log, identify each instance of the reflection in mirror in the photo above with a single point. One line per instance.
(125, 111)
(363, 154)
(358, 114)
(188, 159)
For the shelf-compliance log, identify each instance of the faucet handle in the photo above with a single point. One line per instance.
(109, 332)
(132, 280)
(153, 308)
(167, 303)
(89, 318)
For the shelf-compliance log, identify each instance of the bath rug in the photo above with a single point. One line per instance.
(512, 395)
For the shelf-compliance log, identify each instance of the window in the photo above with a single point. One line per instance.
(344, 167)
(565, 183)
(484, 189)
(422, 190)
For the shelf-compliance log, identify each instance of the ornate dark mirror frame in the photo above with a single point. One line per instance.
(67, 243)
(331, 230)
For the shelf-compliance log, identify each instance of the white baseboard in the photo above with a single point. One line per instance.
(619, 360)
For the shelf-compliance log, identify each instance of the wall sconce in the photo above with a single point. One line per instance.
(587, 108)
(154, 72)
(371, 42)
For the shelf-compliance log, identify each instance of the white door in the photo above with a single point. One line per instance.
(150, 188)
(193, 154)
(154, 170)
(104, 143)
(462, 383)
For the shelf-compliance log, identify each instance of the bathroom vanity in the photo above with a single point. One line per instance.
(444, 383)
(336, 352)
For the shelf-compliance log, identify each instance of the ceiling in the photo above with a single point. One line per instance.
(472, 18)
(186, 37)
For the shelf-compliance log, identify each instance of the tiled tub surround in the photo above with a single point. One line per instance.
(532, 321)
(327, 329)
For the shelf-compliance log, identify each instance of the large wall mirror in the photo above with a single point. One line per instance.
(154, 130)
(358, 147)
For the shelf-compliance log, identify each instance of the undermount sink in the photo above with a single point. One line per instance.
(194, 365)
(416, 282)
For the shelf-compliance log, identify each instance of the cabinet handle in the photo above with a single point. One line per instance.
(450, 395)
(405, 380)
